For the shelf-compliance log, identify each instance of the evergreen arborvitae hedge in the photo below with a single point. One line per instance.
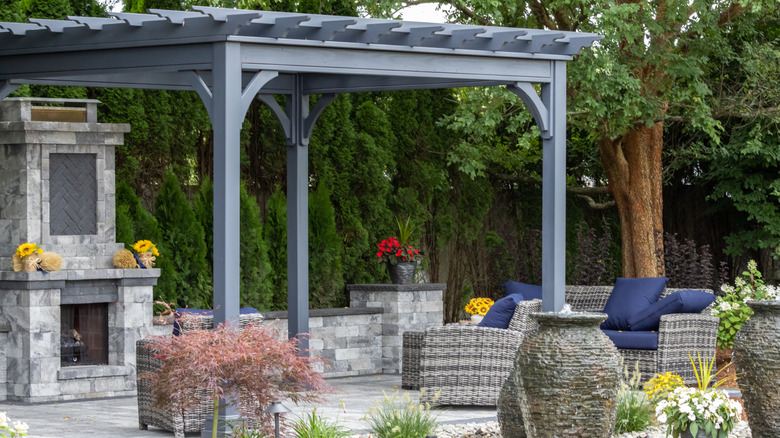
(185, 277)
(133, 221)
(275, 232)
(256, 287)
(326, 283)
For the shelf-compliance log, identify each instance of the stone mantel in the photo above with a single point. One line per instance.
(56, 280)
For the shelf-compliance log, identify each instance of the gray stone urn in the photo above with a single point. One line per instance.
(756, 355)
(688, 434)
(402, 272)
(510, 418)
(570, 376)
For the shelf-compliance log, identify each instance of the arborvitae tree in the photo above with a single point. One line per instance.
(185, 277)
(326, 282)
(275, 232)
(204, 213)
(256, 287)
(144, 224)
(125, 228)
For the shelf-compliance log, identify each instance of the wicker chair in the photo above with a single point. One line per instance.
(467, 365)
(193, 418)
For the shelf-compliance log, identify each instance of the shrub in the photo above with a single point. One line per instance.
(660, 386)
(275, 233)
(634, 412)
(326, 282)
(687, 264)
(731, 309)
(184, 276)
(314, 426)
(395, 418)
(253, 362)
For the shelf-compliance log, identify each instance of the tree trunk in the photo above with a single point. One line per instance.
(633, 166)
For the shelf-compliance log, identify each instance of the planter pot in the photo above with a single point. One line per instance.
(570, 377)
(757, 355)
(402, 273)
(476, 318)
(699, 434)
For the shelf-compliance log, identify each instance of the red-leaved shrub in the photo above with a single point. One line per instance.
(254, 362)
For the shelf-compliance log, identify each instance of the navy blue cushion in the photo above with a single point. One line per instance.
(177, 329)
(684, 301)
(501, 312)
(633, 340)
(529, 291)
(629, 297)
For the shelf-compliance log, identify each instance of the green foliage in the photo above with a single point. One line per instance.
(275, 232)
(634, 411)
(730, 308)
(394, 417)
(144, 224)
(313, 425)
(326, 282)
(185, 278)
(256, 286)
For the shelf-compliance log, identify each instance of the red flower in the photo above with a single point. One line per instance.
(398, 254)
(379, 254)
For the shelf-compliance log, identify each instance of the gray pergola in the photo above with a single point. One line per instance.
(231, 56)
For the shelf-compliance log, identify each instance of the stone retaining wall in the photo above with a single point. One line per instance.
(366, 337)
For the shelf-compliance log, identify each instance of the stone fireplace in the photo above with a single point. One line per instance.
(67, 334)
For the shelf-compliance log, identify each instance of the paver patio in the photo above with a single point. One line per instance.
(118, 417)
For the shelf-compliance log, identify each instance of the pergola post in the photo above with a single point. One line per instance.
(297, 214)
(226, 123)
(554, 192)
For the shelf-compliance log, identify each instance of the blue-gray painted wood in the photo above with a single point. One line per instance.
(6, 88)
(226, 123)
(554, 193)
(297, 216)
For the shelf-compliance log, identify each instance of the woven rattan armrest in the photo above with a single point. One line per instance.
(194, 321)
(466, 364)
(684, 334)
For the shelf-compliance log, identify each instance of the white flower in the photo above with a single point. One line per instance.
(662, 418)
(727, 289)
(725, 306)
(3, 419)
(752, 265)
(20, 427)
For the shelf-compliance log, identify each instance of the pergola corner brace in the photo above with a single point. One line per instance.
(525, 91)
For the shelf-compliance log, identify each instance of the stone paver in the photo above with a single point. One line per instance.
(118, 417)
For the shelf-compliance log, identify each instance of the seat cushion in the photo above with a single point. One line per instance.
(647, 340)
(629, 297)
(684, 301)
(501, 312)
(529, 291)
(181, 310)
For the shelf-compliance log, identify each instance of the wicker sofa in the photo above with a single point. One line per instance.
(193, 418)
(467, 365)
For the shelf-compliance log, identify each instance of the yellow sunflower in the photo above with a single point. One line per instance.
(144, 246)
(26, 249)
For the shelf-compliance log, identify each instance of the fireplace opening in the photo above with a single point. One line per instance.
(84, 334)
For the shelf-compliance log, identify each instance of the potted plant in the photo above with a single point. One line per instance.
(478, 308)
(699, 412)
(400, 257)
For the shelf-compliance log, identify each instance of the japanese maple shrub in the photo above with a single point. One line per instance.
(254, 362)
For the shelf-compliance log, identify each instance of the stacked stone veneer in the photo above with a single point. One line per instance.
(366, 337)
(30, 367)
(26, 148)
(57, 190)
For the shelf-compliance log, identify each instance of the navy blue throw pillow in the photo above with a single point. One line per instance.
(501, 312)
(529, 291)
(629, 297)
(684, 301)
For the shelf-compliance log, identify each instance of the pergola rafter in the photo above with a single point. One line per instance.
(231, 56)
